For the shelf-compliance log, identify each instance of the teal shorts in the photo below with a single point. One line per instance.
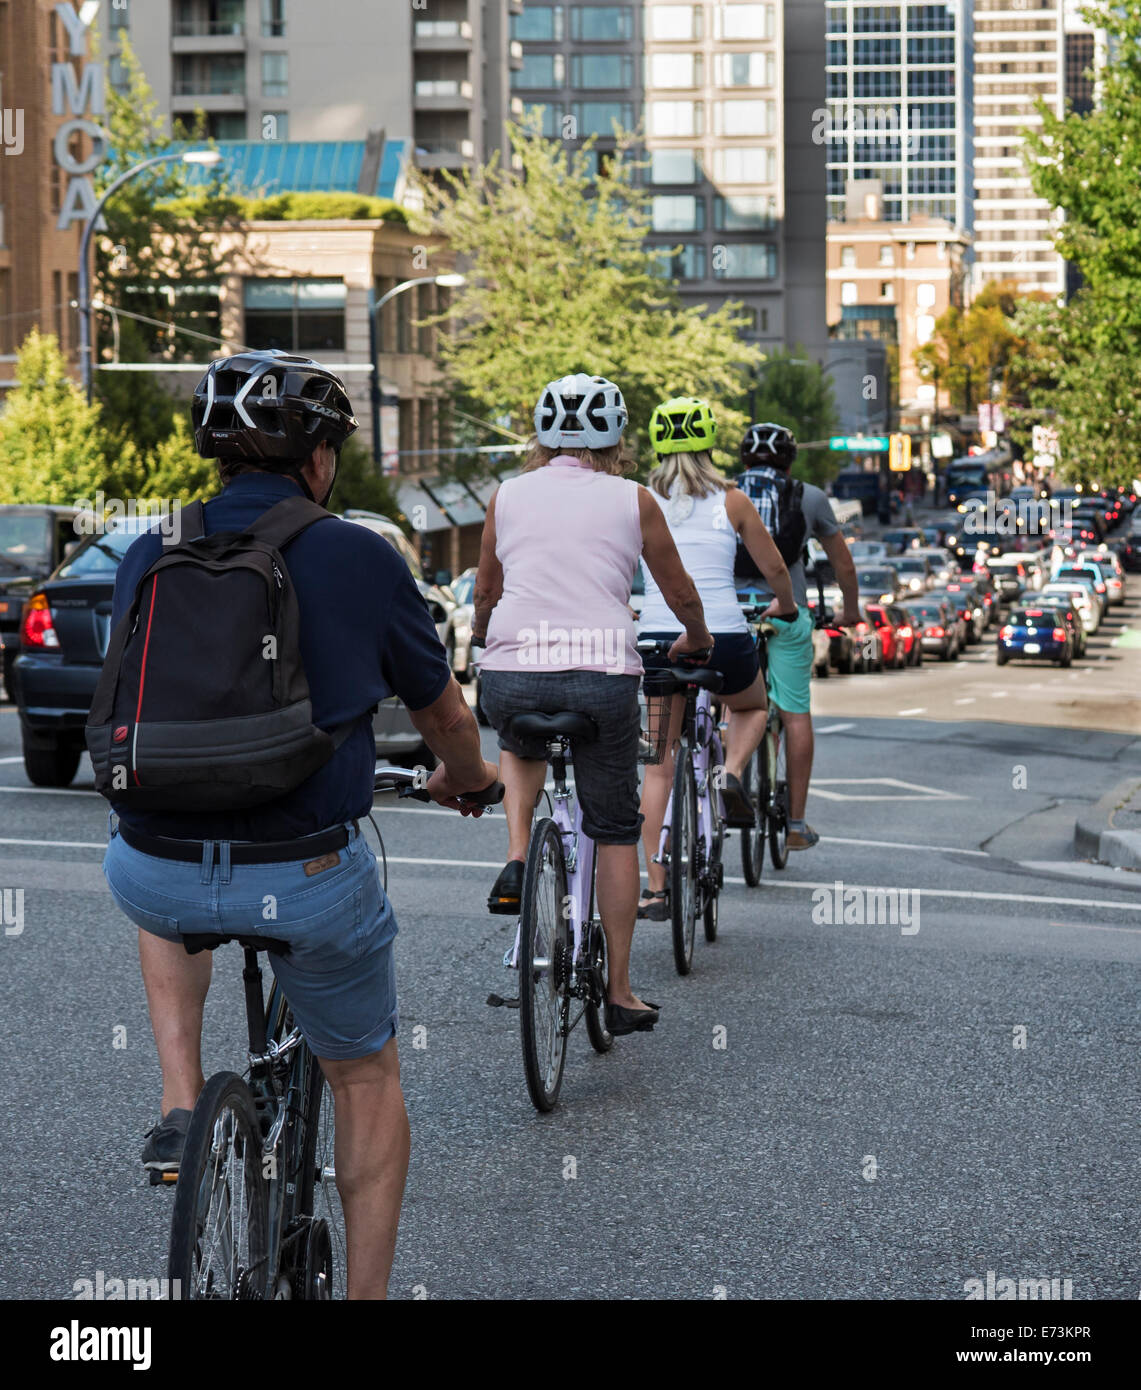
(790, 664)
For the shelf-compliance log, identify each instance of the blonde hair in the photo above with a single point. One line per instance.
(695, 475)
(613, 459)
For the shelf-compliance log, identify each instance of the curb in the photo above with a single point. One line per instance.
(1095, 836)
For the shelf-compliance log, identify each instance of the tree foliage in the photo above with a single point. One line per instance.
(560, 280)
(794, 392)
(975, 348)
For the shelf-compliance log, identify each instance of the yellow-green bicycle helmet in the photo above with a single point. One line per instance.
(682, 425)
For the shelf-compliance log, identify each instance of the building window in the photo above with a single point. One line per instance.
(121, 17)
(674, 166)
(689, 263)
(745, 262)
(295, 315)
(886, 290)
(837, 52)
(678, 212)
(936, 147)
(745, 212)
(744, 69)
(538, 24)
(743, 117)
(602, 23)
(932, 115)
(590, 70)
(876, 53)
(921, 17)
(551, 120)
(837, 84)
(676, 118)
(675, 23)
(7, 333)
(929, 82)
(272, 19)
(674, 70)
(539, 70)
(870, 83)
(744, 164)
(931, 50)
(887, 255)
(57, 308)
(275, 74)
(940, 179)
(744, 22)
(849, 292)
(848, 257)
(226, 125)
(876, 19)
(117, 73)
(597, 117)
(275, 125)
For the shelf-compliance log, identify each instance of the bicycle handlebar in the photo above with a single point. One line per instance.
(662, 648)
(405, 781)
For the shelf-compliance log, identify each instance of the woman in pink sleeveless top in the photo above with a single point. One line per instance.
(560, 545)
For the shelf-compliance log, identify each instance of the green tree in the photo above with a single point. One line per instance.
(51, 446)
(561, 281)
(972, 349)
(794, 392)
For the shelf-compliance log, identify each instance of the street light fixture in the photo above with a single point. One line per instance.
(449, 280)
(202, 157)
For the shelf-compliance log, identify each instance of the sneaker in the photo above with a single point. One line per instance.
(738, 807)
(803, 837)
(507, 890)
(162, 1153)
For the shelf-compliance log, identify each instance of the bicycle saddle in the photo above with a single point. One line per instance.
(666, 679)
(566, 724)
(208, 941)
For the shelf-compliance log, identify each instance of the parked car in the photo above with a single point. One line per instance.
(1035, 632)
(891, 640)
(1079, 596)
(940, 629)
(34, 540)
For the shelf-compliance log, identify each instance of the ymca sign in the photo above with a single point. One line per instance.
(82, 98)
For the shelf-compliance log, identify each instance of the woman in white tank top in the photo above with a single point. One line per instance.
(706, 517)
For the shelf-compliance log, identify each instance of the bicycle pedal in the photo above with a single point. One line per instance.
(160, 1179)
(498, 1002)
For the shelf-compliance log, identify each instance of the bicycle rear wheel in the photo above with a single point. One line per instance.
(321, 1199)
(778, 799)
(683, 863)
(754, 782)
(219, 1230)
(544, 966)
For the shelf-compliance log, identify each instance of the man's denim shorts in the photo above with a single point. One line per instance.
(606, 771)
(339, 975)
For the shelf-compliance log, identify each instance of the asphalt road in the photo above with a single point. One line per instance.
(891, 1114)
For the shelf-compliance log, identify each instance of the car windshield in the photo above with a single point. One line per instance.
(1034, 617)
(24, 538)
(875, 578)
(912, 565)
(101, 554)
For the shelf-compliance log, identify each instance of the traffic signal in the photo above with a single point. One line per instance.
(899, 453)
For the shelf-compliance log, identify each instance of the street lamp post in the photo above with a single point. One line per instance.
(207, 157)
(450, 280)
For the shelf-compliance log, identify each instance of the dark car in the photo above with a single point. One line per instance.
(1039, 633)
(964, 593)
(33, 541)
(940, 629)
(877, 582)
(903, 539)
(1073, 620)
(1091, 516)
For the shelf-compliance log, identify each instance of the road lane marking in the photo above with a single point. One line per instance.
(51, 791)
(17, 759)
(59, 844)
(903, 844)
(920, 709)
(831, 729)
(1093, 926)
(966, 700)
(999, 694)
(925, 793)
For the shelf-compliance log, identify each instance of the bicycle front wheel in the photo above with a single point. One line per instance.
(601, 1038)
(544, 966)
(219, 1230)
(754, 783)
(778, 798)
(683, 863)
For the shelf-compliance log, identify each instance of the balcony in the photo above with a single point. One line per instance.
(207, 36)
(442, 36)
(444, 154)
(443, 94)
(206, 94)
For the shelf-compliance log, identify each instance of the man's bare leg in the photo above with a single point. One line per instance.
(371, 1157)
(176, 984)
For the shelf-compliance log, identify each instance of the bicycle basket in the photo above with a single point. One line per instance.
(657, 687)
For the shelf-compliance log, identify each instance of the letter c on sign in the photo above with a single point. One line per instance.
(63, 155)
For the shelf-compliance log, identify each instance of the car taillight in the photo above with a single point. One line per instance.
(37, 629)
(1100, 588)
(905, 632)
(1006, 633)
(935, 632)
(1059, 634)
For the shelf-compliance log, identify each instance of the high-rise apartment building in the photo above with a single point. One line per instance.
(328, 70)
(899, 90)
(723, 93)
(1020, 55)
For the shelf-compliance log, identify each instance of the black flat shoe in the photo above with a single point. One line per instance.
(657, 908)
(504, 896)
(620, 1021)
(738, 810)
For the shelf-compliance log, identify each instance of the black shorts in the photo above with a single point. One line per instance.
(734, 655)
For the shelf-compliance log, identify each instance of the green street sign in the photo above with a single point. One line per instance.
(859, 444)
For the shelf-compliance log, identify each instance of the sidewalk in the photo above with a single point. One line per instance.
(1110, 831)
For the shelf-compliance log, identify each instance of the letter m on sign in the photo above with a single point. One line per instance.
(81, 94)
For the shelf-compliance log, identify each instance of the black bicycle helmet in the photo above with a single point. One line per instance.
(269, 407)
(774, 446)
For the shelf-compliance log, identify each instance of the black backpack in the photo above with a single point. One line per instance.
(791, 531)
(203, 703)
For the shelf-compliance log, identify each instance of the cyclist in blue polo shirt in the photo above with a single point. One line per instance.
(365, 634)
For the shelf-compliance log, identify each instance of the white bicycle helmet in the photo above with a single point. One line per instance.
(580, 412)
